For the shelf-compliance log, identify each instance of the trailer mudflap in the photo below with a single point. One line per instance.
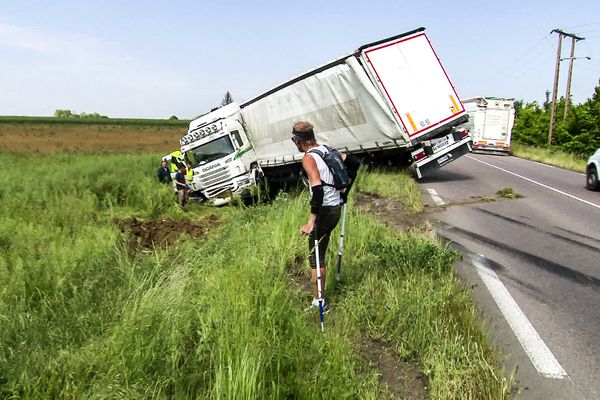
(437, 161)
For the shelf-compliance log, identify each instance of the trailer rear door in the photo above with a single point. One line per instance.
(496, 125)
(414, 83)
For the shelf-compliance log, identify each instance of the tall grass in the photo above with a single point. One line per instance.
(220, 317)
(550, 156)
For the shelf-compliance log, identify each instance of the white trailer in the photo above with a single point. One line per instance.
(491, 120)
(389, 99)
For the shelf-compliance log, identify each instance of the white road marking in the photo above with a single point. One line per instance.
(537, 183)
(435, 197)
(541, 357)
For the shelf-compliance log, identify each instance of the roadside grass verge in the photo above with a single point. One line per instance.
(396, 184)
(550, 156)
(220, 317)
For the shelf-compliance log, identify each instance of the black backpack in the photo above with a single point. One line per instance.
(336, 165)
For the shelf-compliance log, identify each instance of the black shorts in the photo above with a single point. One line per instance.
(327, 219)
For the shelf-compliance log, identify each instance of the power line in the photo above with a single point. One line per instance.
(590, 31)
(518, 73)
(590, 52)
(522, 63)
(500, 72)
(579, 26)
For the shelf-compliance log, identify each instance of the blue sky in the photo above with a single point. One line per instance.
(162, 58)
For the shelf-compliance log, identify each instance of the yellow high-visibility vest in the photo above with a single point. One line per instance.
(176, 160)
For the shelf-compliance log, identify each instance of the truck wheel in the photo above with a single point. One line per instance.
(592, 179)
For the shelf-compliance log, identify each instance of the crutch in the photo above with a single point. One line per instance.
(342, 237)
(319, 285)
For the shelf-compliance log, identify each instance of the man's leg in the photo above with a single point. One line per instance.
(326, 222)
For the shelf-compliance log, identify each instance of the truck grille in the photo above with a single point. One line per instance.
(212, 177)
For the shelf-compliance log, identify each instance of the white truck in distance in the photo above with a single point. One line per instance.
(491, 120)
(389, 100)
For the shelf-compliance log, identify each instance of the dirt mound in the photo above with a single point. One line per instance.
(162, 233)
(402, 379)
(389, 212)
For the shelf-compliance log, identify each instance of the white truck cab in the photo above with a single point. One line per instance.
(221, 154)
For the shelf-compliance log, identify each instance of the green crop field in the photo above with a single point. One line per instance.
(89, 312)
(93, 121)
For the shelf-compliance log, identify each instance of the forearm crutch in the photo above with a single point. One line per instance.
(319, 283)
(341, 250)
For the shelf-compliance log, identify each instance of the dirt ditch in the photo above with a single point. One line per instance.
(145, 236)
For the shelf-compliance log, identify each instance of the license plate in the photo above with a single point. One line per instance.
(440, 144)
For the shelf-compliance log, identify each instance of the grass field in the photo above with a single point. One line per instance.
(548, 156)
(220, 316)
(92, 121)
(41, 137)
(91, 308)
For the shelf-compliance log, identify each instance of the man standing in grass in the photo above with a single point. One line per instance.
(182, 187)
(325, 203)
(163, 173)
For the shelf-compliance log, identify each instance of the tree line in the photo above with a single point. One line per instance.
(578, 133)
(70, 114)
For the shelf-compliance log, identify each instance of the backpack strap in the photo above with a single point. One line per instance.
(319, 152)
(322, 155)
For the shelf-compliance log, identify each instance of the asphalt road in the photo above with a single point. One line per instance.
(533, 264)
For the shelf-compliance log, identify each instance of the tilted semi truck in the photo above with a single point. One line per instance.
(390, 99)
(491, 120)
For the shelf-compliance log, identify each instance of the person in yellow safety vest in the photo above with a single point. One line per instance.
(189, 174)
(176, 161)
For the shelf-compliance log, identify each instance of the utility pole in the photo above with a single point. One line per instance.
(556, 73)
(571, 59)
(569, 86)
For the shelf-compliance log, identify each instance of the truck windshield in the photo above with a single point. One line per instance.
(210, 151)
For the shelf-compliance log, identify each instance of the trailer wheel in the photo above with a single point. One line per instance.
(592, 178)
